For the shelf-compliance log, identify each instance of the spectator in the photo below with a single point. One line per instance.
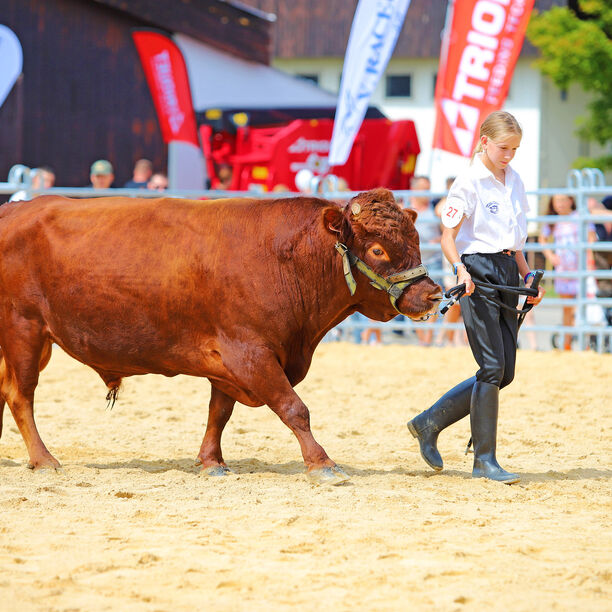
(429, 235)
(42, 178)
(101, 174)
(343, 185)
(143, 171)
(565, 258)
(372, 336)
(224, 177)
(603, 259)
(158, 182)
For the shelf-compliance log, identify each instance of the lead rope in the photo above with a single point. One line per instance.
(458, 291)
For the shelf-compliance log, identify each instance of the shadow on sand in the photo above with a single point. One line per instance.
(256, 466)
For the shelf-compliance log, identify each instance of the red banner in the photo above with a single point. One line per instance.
(482, 41)
(168, 81)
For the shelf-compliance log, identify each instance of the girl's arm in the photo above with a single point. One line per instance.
(449, 248)
(523, 266)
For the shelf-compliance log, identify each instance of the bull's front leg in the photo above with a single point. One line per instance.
(273, 387)
(320, 469)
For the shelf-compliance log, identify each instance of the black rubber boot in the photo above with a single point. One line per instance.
(450, 408)
(483, 419)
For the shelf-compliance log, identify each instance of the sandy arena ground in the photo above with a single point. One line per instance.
(130, 525)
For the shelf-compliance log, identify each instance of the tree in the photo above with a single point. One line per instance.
(576, 46)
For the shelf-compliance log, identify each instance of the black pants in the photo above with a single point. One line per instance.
(491, 329)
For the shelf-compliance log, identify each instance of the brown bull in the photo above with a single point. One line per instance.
(240, 291)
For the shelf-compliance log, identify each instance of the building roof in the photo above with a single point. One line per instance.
(320, 28)
(233, 27)
(221, 81)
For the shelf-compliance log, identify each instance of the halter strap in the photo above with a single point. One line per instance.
(394, 285)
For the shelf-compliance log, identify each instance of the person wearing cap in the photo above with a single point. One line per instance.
(101, 174)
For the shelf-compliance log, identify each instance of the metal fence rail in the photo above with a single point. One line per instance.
(580, 184)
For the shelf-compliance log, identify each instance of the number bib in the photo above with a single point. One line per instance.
(452, 213)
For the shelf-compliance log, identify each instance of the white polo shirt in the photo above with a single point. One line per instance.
(495, 214)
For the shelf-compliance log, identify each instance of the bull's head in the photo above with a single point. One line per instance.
(375, 234)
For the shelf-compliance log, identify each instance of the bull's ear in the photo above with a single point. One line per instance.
(411, 213)
(332, 219)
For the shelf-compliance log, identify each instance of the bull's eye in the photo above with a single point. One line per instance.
(377, 252)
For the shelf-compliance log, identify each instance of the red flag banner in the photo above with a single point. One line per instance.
(482, 41)
(166, 74)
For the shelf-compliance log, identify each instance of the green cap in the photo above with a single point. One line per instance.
(102, 166)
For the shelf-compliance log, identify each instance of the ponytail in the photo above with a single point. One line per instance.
(477, 149)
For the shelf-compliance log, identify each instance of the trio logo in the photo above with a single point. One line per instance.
(479, 53)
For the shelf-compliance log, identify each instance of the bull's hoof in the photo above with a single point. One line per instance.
(328, 476)
(216, 470)
(45, 465)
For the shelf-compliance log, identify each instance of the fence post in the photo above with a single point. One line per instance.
(21, 176)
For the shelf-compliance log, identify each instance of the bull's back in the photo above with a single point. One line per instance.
(63, 247)
(108, 237)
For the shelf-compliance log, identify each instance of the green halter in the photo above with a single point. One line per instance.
(394, 285)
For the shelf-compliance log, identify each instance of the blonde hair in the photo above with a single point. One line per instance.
(497, 125)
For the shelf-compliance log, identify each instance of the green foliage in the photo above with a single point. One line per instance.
(577, 48)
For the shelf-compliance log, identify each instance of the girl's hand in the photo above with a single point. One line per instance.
(535, 300)
(463, 276)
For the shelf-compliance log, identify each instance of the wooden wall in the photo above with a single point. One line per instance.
(82, 95)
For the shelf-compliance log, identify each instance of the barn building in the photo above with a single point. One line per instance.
(82, 94)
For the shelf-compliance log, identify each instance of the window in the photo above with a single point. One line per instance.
(309, 77)
(398, 86)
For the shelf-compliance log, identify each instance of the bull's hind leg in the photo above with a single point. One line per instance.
(44, 360)
(220, 410)
(26, 351)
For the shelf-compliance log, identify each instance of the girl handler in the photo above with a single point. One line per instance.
(485, 228)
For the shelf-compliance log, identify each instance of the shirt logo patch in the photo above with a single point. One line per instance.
(493, 207)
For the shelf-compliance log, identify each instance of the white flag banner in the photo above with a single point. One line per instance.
(376, 26)
(11, 61)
